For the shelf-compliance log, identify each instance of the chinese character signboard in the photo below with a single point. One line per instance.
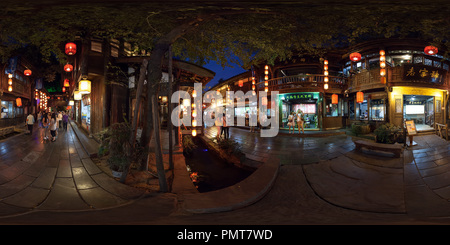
(423, 73)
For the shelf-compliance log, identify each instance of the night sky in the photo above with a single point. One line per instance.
(221, 72)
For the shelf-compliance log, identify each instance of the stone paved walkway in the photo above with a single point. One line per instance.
(321, 180)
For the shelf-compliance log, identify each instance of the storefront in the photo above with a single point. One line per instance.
(306, 103)
(86, 111)
(425, 106)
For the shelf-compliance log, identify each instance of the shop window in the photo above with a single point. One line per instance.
(332, 110)
(377, 110)
(361, 111)
(7, 109)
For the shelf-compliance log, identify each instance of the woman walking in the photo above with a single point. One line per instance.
(300, 121)
(291, 122)
(53, 126)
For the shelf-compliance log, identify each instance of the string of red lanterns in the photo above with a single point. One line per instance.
(325, 72)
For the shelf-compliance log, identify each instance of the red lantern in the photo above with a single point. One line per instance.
(355, 56)
(359, 97)
(66, 83)
(334, 99)
(27, 72)
(71, 48)
(430, 50)
(241, 83)
(19, 102)
(64, 89)
(68, 67)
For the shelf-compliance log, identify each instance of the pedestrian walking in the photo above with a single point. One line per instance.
(30, 123)
(252, 120)
(53, 126)
(45, 124)
(39, 118)
(291, 122)
(300, 121)
(59, 119)
(225, 129)
(65, 119)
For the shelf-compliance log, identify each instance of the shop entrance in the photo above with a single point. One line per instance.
(420, 109)
(306, 103)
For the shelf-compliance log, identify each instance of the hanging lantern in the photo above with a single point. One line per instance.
(9, 88)
(382, 52)
(76, 95)
(325, 62)
(194, 113)
(71, 102)
(9, 81)
(334, 99)
(382, 72)
(68, 67)
(241, 83)
(27, 72)
(266, 83)
(355, 56)
(382, 64)
(84, 87)
(19, 102)
(71, 48)
(266, 89)
(194, 93)
(64, 89)
(325, 86)
(194, 132)
(431, 50)
(264, 100)
(359, 97)
(253, 87)
(66, 83)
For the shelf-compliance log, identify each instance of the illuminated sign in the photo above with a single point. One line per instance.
(423, 73)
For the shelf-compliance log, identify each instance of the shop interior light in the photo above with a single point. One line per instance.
(77, 95)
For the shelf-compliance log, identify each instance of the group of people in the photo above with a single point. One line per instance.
(296, 118)
(49, 122)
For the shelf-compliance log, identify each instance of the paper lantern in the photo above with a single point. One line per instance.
(27, 72)
(9, 81)
(64, 89)
(71, 102)
(68, 67)
(359, 97)
(71, 48)
(19, 102)
(334, 99)
(382, 72)
(194, 132)
(325, 86)
(84, 87)
(194, 123)
(355, 56)
(241, 83)
(9, 88)
(194, 93)
(430, 50)
(77, 95)
(66, 83)
(382, 52)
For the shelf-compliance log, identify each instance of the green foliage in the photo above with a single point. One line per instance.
(188, 144)
(115, 144)
(387, 133)
(360, 128)
(230, 146)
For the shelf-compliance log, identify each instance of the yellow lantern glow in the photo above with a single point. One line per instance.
(382, 72)
(194, 132)
(382, 64)
(194, 123)
(194, 93)
(71, 102)
(266, 89)
(9, 81)
(76, 95)
(9, 88)
(359, 97)
(84, 87)
(325, 86)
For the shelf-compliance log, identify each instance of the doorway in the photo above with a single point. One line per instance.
(420, 109)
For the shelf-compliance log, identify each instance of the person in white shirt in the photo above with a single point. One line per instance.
(30, 123)
(59, 119)
(53, 127)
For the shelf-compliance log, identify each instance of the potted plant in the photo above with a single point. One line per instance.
(115, 144)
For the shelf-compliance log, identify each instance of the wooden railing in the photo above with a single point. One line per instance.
(303, 81)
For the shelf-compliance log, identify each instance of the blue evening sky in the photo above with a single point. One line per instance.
(221, 72)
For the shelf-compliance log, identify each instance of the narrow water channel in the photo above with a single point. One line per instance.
(209, 172)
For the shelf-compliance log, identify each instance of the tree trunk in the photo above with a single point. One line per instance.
(134, 122)
(154, 78)
(169, 122)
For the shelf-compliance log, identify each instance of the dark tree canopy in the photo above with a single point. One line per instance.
(252, 30)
